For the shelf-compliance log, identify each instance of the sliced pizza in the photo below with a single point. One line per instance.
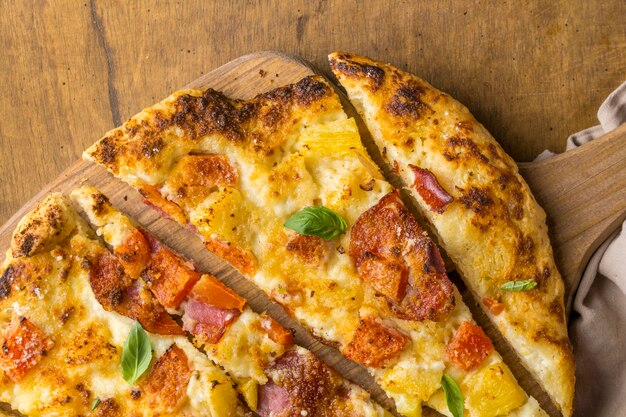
(353, 266)
(275, 377)
(65, 354)
(481, 210)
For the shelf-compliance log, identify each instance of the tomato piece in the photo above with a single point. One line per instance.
(139, 304)
(430, 190)
(170, 277)
(166, 384)
(494, 305)
(133, 253)
(469, 347)
(276, 331)
(23, 346)
(209, 290)
(167, 208)
(375, 343)
(241, 259)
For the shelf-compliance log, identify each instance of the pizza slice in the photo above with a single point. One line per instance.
(63, 353)
(353, 266)
(480, 208)
(274, 376)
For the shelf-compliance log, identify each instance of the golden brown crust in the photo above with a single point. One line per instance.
(49, 223)
(258, 125)
(493, 229)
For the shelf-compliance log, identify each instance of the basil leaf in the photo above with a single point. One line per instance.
(95, 404)
(136, 355)
(317, 221)
(454, 399)
(525, 285)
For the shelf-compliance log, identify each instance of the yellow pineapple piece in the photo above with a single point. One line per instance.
(333, 138)
(249, 392)
(492, 391)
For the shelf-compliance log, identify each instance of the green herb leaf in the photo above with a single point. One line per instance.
(136, 355)
(95, 403)
(317, 221)
(454, 399)
(525, 285)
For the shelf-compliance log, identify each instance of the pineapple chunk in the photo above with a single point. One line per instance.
(223, 400)
(249, 392)
(419, 381)
(333, 138)
(492, 391)
(406, 404)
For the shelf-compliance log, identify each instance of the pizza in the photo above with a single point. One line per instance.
(353, 266)
(62, 349)
(274, 376)
(479, 206)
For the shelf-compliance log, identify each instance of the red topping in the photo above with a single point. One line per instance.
(271, 400)
(430, 190)
(307, 381)
(167, 208)
(23, 346)
(139, 304)
(241, 259)
(116, 291)
(170, 277)
(108, 281)
(276, 331)
(207, 322)
(397, 258)
(133, 253)
(209, 290)
(374, 343)
(494, 305)
(469, 347)
(166, 385)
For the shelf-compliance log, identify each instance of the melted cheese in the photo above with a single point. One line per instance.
(52, 290)
(245, 350)
(494, 231)
(314, 156)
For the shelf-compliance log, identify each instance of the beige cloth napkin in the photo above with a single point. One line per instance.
(598, 321)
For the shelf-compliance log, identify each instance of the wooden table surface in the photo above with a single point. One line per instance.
(531, 71)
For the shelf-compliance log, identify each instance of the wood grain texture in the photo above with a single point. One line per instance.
(531, 71)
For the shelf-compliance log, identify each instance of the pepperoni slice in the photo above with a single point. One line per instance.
(23, 346)
(397, 258)
(469, 347)
(430, 190)
(310, 249)
(375, 343)
(134, 253)
(166, 384)
(116, 291)
(108, 281)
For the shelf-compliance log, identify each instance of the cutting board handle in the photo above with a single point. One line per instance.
(583, 192)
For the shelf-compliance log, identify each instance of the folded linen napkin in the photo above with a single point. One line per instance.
(598, 321)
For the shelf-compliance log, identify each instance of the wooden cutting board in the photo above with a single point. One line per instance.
(583, 192)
